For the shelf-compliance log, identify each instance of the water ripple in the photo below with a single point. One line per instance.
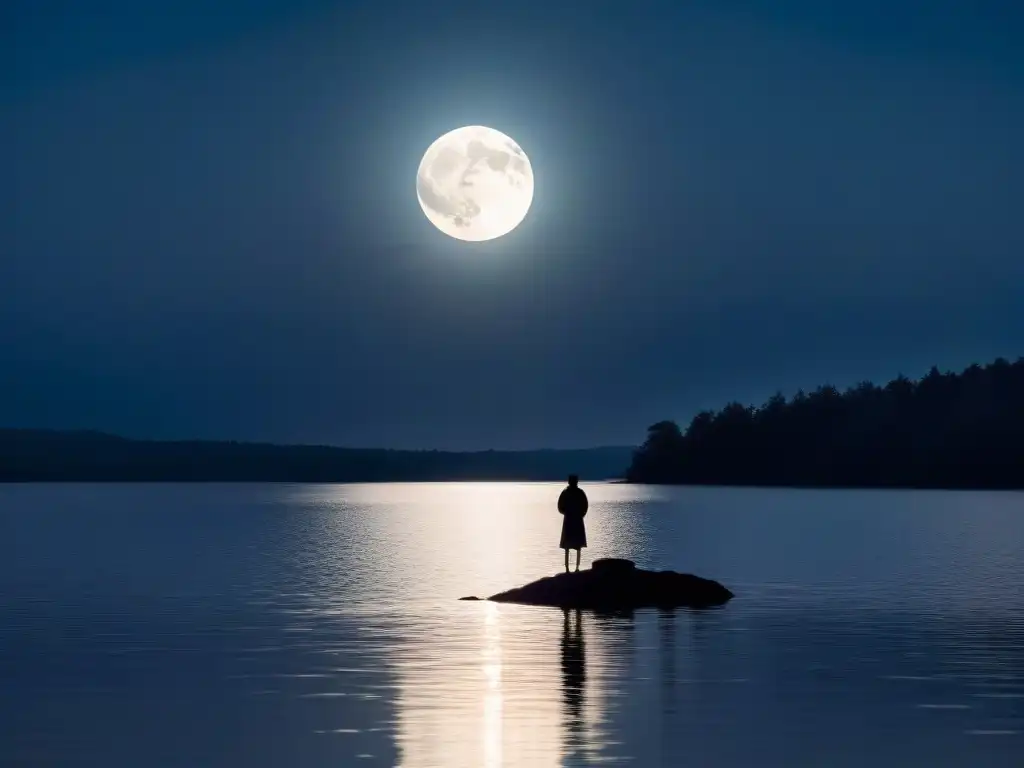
(317, 625)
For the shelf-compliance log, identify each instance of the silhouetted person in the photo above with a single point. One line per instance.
(572, 505)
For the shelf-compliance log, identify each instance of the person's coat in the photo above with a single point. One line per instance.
(572, 505)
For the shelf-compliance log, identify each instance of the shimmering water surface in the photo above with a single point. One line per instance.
(216, 625)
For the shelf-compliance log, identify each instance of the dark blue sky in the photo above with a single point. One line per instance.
(208, 220)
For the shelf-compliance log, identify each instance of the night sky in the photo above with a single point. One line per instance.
(209, 225)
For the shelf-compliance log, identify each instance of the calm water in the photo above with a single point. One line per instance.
(220, 625)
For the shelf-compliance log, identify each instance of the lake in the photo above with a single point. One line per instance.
(291, 625)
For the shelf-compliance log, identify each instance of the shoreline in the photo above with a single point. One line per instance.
(509, 479)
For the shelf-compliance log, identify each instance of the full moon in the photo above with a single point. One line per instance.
(475, 183)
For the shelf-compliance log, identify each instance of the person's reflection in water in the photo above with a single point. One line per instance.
(668, 677)
(667, 649)
(574, 681)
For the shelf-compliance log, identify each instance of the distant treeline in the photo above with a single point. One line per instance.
(947, 430)
(45, 456)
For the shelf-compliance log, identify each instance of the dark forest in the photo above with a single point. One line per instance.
(946, 430)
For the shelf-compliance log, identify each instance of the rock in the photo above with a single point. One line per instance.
(613, 564)
(614, 584)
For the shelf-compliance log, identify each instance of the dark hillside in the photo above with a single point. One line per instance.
(44, 456)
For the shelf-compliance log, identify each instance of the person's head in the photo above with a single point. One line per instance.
(574, 480)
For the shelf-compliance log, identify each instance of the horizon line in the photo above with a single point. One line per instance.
(102, 434)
